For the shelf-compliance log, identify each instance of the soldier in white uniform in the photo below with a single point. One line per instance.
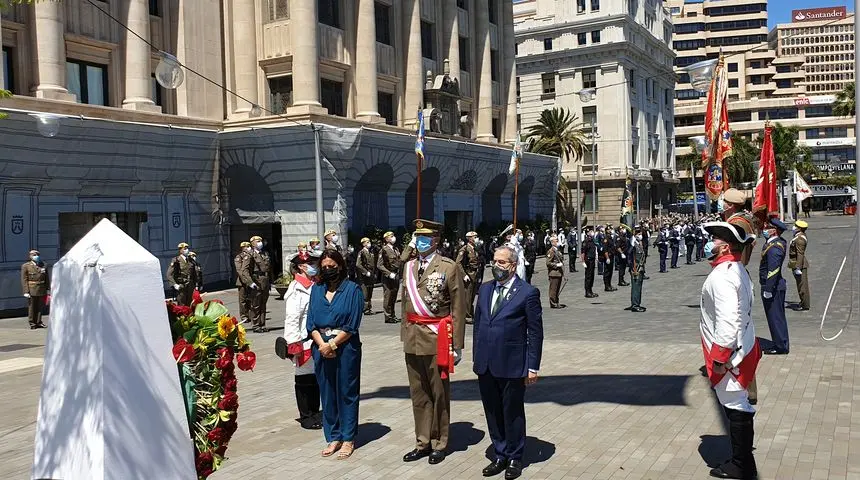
(514, 240)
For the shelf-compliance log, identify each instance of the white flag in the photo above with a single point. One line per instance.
(516, 155)
(801, 188)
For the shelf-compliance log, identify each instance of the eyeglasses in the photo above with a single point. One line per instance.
(502, 263)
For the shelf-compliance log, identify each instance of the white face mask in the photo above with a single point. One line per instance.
(185, 251)
(334, 239)
(366, 245)
(259, 245)
(247, 249)
(392, 239)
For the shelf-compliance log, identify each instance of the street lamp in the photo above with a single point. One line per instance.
(168, 72)
(48, 124)
(586, 95)
(701, 74)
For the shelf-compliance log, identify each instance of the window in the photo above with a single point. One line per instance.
(692, 14)
(156, 93)
(548, 83)
(547, 44)
(581, 38)
(383, 23)
(589, 115)
(497, 130)
(87, 81)
(427, 43)
(688, 94)
(595, 5)
(516, 49)
(518, 88)
(280, 94)
(755, 64)
(783, 84)
(689, 120)
(737, 25)
(689, 27)
(494, 14)
(829, 132)
(385, 107)
(153, 8)
(733, 83)
(589, 78)
(331, 97)
(733, 67)
(494, 65)
(464, 4)
(778, 113)
(329, 13)
(465, 58)
(740, 116)
(8, 78)
(687, 61)
(683, 78)
(667, 97)
(736, 9)
(737, 40)
(595, 36)
(631, 80)
(688, 44)
(675, 10)
(819, 111)
(580, 6)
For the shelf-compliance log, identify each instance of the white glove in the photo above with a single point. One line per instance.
(412, 242)
(584, 265)
(559, 264)
(527, 263)
(466, 279)
(26, 295)
(254, 286)
(458, 355)
(798, 271)
(623, 256)
(177, 287)
(767, 294)
(367, 274)
(392, 276)
(608, 261)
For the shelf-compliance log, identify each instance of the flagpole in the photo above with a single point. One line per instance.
(516, 193)
(418, 177)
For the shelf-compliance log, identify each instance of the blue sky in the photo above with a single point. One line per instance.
(779, 11)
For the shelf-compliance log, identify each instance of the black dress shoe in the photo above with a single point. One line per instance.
(646, 277)
(730, 470)
(610, 289)
(436, 457)
(514, 470)
(775, 351)
(637, 310)
(629, 308)
(495, 468)
(416, 455)
(623, 284)
(591, 295)
(391, 320)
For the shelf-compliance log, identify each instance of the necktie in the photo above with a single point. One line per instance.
(421, 268)
(499, 298)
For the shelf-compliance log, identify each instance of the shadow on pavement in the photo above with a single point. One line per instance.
(646, 390)
(370, 432)
(715, 449)
(537, 451)
(463, 435)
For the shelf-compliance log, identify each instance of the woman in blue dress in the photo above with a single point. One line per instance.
(334, 316)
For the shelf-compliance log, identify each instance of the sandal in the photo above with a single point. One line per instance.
(346, 450)
(331, 448)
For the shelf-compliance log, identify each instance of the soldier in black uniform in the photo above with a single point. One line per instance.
(622, 245)
(530, 252)
(351, 257)
(573, 246)
(662, 245)
(599, 239)
(198, 270)
(690, 241)
(674, 244)
(608, 259)
(589, 257)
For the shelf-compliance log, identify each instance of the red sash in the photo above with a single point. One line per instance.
(298, 353)
(746, 370)
(444, 340)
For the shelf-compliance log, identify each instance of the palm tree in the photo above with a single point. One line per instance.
(559, 133)
(844, 106)
(789, 153)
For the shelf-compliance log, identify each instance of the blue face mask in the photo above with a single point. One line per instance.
(423, 244)
(721, 206)
(37, 258)
(312, 270)
(709, 247)
(765, 234)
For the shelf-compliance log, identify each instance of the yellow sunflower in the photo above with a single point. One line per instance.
(225, 326)
(241, 336)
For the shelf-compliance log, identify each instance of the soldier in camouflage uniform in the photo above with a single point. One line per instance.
(35, 283)
(182, 275)
(261, 274)
(242, 262)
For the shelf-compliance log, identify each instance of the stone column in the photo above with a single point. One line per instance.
(413, 97)
(451, 31)
(484, 122)
(509, 75)
(245, 55)
(138, 70)
(306, 71)
(11, 88)
(49, 51)
(365, 62)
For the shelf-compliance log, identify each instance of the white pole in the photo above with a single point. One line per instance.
(319, 187)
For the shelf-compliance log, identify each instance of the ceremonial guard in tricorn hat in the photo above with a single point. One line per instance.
(434, 314)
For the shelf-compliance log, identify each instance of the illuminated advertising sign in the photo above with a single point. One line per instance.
(817, 14)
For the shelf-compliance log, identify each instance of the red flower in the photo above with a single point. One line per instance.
(183, 351)
(216, 435)
(246, 361)
(230, 385)
(227, 373)
(218, 301)
(235, 322)
(196, 298)
(229, 402)
(203, 462)
(225, 357)
(230, 427)
(179, 310)
(220, 451)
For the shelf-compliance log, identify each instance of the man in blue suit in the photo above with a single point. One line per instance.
(773, 285)
(507, 344)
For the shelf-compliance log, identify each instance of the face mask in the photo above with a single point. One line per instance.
(37, 258)
(350, 249)
(501, 274)
(519, 238)
(185, 251)
(329, 274)
(334, 239)
(247, 249)
(259, 245)
(721, 206)
(711, 249)
(311, 271)
(447, 244)
(765, 234)
(423, 244)
(392, 239)
(366, 245)
(318, 248)
(639, 237)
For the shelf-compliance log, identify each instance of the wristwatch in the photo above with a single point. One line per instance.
(332, 344)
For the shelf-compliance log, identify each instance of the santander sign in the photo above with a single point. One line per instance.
(816, 14)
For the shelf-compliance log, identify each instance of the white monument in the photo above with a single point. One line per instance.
(111, 405)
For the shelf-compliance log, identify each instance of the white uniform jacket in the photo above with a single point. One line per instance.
(521, 259)
(296, 302)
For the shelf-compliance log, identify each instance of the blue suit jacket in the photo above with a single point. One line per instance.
(510, 342)
(770, 268)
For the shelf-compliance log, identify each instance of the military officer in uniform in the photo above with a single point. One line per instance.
(573, 254)
(637, 270)
(589, 258)
(662, 245)
(434, 310)
(690, 241)
(35, 283)
(798, 263)
(314, 245)
(608, 259)
(467, 259)
(675, 244)
(530, 254)
(773, 285)
(555, 271)
(182, 275)
(366, 269)
(242, 263)
(388, 265)
(622, 246)
(261, 268)
(198, 270)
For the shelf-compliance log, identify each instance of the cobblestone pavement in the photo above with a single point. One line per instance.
(620, 394)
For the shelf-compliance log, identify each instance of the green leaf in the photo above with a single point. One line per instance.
(190, 335)
(216, 310)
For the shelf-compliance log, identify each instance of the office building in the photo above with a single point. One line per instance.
(619, 49)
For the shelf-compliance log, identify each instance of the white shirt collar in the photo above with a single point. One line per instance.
(507, 285)
(426, 259)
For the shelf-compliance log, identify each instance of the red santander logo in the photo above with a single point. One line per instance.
(816, 14)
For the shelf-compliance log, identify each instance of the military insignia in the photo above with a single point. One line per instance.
(419, 224)
(177, 220)
(17, 225)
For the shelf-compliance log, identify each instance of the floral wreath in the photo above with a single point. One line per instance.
(206, 340)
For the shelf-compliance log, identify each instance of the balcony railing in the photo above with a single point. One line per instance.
(385, 59)
(332, 44)
(465, 84)
(276, 39)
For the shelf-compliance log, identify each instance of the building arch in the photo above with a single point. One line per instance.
(429, 183)
(491, 199)
(524, 199)
(370, 197)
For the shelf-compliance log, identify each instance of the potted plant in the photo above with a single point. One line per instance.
(282, 283)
